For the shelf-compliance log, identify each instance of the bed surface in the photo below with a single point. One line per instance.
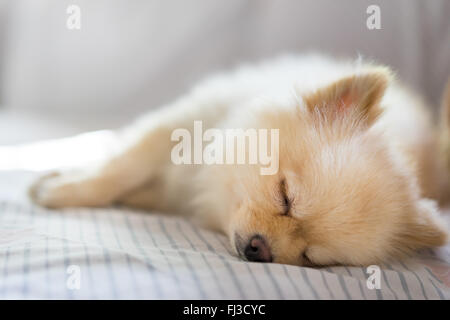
(119, 253)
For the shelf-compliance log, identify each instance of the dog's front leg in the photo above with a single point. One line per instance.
(146, 149)
(102, 185)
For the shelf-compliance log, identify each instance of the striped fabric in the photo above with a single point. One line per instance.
(119, 253)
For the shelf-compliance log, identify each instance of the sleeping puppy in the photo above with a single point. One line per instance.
(356, 162)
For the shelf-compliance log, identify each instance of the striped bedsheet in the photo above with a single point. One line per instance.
(119, 253)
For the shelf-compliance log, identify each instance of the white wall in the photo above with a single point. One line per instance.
(132, 55)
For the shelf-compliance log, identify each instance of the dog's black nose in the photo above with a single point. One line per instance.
(257, 250)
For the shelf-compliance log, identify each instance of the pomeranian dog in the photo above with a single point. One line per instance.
(359, 167)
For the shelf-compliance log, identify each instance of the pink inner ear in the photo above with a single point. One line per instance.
(345, 100)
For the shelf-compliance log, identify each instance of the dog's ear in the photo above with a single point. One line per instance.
(425, 228)
(357, 94)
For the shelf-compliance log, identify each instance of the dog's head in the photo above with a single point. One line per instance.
(340, 196)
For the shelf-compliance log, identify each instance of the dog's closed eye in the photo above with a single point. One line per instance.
(286, 201)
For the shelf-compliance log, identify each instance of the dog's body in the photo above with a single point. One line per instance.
(358, 162)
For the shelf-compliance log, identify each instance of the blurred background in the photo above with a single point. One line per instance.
(131, 56)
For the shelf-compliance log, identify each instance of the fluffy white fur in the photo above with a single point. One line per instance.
(359, 161)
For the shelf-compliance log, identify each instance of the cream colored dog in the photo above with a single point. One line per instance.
(359, 162)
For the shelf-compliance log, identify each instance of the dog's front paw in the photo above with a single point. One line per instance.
(57, 190)
(68, 189)
(46, 190)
